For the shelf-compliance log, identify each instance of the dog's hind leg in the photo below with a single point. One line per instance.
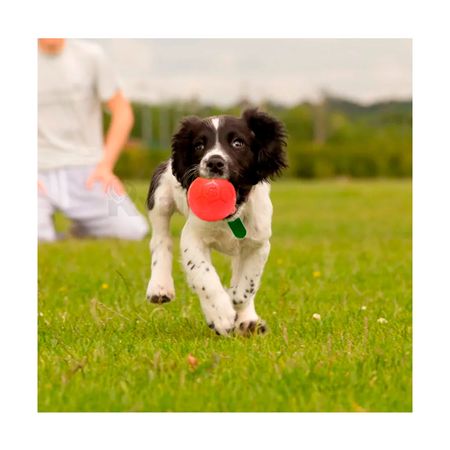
(161, 207)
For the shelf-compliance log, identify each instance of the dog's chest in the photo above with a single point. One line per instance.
(256, 216)
(220, 238)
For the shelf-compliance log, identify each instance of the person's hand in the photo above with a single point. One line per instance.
(41, 188)
(103, 174)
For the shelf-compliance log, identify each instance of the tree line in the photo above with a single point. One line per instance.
(331, 138)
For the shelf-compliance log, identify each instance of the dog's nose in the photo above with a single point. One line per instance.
(215, 164)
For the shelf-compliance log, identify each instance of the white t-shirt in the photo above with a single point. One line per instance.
(71, 88)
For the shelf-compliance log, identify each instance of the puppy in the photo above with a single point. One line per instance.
(247, 151)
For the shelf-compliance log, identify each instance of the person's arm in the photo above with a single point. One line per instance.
(119, 129)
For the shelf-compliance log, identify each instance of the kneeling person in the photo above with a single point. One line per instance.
(75, 165)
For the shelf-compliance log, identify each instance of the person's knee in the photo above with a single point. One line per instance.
(46, 231)
(46, 235)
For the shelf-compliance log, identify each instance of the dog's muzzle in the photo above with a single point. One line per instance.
(215, 166)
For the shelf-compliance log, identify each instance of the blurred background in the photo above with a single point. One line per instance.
(346, 103)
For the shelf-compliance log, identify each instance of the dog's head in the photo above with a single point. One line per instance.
(244, 150)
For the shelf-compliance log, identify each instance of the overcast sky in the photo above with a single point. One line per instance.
(285, 70)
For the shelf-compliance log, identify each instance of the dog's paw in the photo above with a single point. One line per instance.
(251, 327)
(159, 299)
(249, 323)
(221, 331)
(160, 292)
(221, 320)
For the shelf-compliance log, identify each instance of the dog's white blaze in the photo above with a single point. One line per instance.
(215, 121)
(216, 150)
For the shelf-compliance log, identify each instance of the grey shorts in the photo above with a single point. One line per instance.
(93, 212)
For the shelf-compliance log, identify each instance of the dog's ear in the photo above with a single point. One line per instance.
(182, 149)
(269, 143)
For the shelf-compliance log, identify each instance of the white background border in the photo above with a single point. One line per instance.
(22, 22)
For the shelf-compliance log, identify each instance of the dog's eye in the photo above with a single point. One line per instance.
(237, 143)
(199, 147)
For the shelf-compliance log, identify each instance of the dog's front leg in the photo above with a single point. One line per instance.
(160, 287)
(247, 272)
(203, 279)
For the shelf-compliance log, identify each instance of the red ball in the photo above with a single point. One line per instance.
(212, 199)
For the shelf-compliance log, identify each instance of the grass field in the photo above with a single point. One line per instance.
(339, 249)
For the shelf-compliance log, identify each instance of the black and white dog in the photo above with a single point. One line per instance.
(247, 151)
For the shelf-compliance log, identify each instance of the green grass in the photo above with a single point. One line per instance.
(336, 247)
